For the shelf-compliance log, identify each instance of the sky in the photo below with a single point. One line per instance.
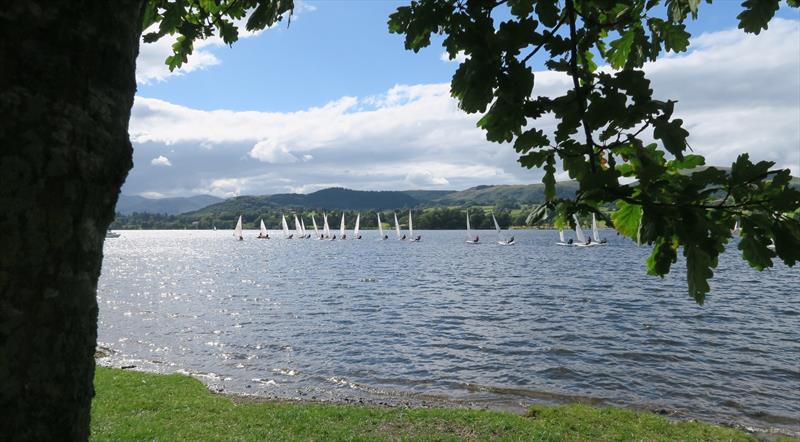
(333, 99)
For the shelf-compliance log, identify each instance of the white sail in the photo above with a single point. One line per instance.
(358, 222)
(263, 232)
(396, 226)
(561, 235)
(578, 230)
(303, 226)
(410, 226)
(341, 228)
(469, 231)
(326, 230)
(316, 230)
(496, 226)
(285, 226)
(595, 232)
(380, 226)
(297, 232)
(237, 231)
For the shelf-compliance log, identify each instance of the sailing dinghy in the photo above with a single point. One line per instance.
(285, 226)
(471, 239)
(380, 229)
(500, 237)
(342, 232)
(411, 230)
(237, 231)
(262, 234)
(326, 229)
(596, 240)
(397, 228)
(356, 234)
(316, 230)
(563, 242)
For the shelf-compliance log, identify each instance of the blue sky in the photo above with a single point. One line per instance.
(336, 65)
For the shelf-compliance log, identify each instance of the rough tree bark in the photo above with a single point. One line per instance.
(67, 82)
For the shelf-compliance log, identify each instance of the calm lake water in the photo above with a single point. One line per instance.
(484, 324)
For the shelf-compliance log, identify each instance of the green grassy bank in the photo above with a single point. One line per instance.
(141, 406)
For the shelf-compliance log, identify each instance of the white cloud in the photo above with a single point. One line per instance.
(269, 151)
(736, 93)
(161, 161)
(459, 58)
(150, 66)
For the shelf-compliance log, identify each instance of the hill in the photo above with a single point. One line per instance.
(506, 194)
(128, 204)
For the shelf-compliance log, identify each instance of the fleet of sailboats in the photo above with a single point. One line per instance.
(582, 239)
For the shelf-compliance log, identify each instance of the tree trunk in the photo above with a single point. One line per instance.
(67, 82)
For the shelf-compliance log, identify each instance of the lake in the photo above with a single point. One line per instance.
(483, 325)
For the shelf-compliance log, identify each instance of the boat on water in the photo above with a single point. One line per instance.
(356, 234)
(411, 230)
(306, 235)
(262, 234)
(583, 240)
(298, 231)
(316, 230)
(471, 239)
(397, 228)
(110, 234)
(237, 231)
(326, 229)
(285, 227)
(501, 239)
(563, 242)
(380, 229)
(342, 232)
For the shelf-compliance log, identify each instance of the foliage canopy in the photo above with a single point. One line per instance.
(604, 121)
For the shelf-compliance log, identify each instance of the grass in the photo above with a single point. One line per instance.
(142, 406)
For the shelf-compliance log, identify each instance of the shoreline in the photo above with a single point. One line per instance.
(421, 401)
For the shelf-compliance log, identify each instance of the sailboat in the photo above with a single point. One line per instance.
(285, 226)
(500, 238)
(356, 235)
(583, 241)
(470, 238)
(342, 234)
(316, 230)
(380, 228)
(411, 230)
(237, 231)
(326, 230)
(596, 240)
(736, 228)
(298, 231)
(263, 233)
(397, 228)
(562, 241)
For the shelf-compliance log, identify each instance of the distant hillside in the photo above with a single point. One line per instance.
(333, 198)
(506, 194)
(128, 204)
(425, 196)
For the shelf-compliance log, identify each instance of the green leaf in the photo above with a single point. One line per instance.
(688, 162)
(662, 257)
(620, 50)
(521, 8)
(757, 14)
(672, 135)
(627, 219)
(755, 251)
(698, 271)
(675, 37)
(549, 178)
(150, 15)
(547, 11)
